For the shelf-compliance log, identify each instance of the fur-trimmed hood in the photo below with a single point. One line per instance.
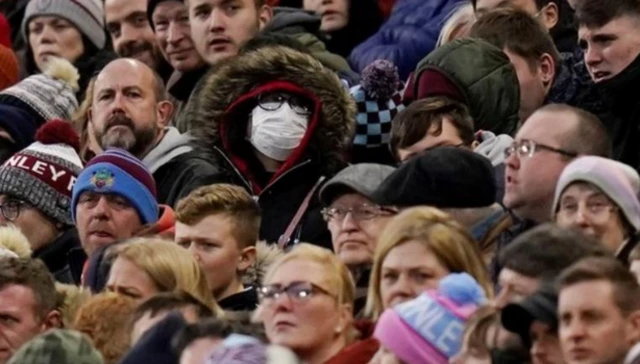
(228, 94)
(266, 255)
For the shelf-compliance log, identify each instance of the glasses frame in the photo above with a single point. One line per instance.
(380, 211)
(287, 291)
(19, 205)
(514, 148)
(296, 108)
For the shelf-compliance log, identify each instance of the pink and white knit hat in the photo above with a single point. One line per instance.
(428, 329)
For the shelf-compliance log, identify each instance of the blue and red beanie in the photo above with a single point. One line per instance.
(119, 172)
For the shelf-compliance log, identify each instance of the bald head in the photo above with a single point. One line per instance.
(133, 70)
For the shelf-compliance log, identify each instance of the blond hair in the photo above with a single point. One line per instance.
(458, 24)
(229, 200)
(449, 242)
(170, 267)
(338, 279)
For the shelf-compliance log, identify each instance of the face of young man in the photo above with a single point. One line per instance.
(610, 49)
(592, 327)
(131, 34)
(215, 247)
(19, 321)
(219, 28)
(535, 80)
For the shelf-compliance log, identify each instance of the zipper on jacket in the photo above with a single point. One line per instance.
(244, 180)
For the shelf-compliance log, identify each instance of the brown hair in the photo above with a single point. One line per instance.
(626, 291)
(449, 242)
(414, 122)
(518, 32)
(228, 200)
(596, 14)
(106, 318)
(477, 328)
(33, 274)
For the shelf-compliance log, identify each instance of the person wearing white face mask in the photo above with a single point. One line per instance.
(278, 123)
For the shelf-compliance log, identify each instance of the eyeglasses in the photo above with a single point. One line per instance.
(274, 101)
(11, 209)
(360, 213)
(597, 212)
(297, 291)
(527, 148)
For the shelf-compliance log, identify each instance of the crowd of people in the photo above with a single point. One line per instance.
(319, 181)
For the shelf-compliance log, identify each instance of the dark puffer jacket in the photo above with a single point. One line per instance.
(408, 35)
(483, 75)
(220, 126)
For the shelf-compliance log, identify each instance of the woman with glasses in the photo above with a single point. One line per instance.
(417, 249)
(599, 196)
(306, 304)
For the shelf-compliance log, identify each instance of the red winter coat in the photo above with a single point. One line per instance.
(361, 351)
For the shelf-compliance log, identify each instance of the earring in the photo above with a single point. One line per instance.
(338, 330)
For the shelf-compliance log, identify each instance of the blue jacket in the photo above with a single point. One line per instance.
(407, 37)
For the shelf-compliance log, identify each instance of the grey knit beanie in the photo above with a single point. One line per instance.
(44, 173)
(86, 15)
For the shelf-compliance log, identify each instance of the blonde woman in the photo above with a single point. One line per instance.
(144, 267)
(306, 304)
(417, 249)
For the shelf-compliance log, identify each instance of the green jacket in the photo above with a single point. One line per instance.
(485, 77)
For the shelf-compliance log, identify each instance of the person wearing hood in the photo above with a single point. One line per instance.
(73, 30)
(35, 195)
(278, 123)
(476, 74)
(130, 111)
(615, 67)
(545, 75)
(346, 23)
(599, 196)
(440, 121)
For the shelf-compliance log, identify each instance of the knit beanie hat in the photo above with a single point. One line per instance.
(378, 100)
(616, 180)
(60, 347)
(43, 174)
(46, 96)
(117, 171)
(242, 349)
(428, 329)
(9, 68)
(86, 15)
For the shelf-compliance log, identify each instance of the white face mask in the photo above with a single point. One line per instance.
(277, 133)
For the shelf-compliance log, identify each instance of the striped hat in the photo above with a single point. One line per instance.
(116, 171)
(43, 174)
(618, 181)
(428, 329)
(86, 15)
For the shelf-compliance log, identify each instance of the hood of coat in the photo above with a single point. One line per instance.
(486, 78)
(171, 145)
(227, 95)
(266, 255)
(292, 21)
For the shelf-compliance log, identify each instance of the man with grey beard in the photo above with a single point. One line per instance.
(130, 110)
